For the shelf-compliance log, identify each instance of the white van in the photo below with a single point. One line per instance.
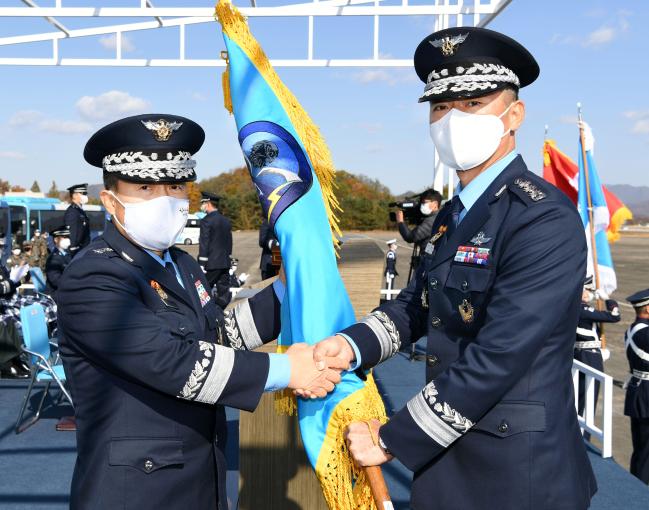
(192, 230)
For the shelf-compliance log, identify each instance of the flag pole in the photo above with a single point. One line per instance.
(590, 218)
(378, 487)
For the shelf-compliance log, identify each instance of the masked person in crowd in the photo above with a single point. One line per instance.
(215, 247)
(39, 250)
(58, 259)
(430, 202)
(76, 219)
(497, 295)
(149, 357)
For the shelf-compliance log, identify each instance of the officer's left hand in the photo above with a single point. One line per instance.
(601, 295)
(362, 440)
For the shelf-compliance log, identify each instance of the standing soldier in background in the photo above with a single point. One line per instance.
(58, 259)
(636, 405)
(588, 346)
(215, 247)
(267, 241)
(76, 218)
(39, 249)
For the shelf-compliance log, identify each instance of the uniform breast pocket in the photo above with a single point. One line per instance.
(177, 323)
(467, 287)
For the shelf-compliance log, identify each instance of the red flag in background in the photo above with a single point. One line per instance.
(563, 172)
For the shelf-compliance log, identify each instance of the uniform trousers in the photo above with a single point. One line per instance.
(640, 440)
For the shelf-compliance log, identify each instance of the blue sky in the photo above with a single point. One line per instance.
(591, 51)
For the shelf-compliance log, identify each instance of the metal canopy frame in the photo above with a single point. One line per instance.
(445, 13)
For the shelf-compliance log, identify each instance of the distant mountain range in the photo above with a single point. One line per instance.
(636, 198)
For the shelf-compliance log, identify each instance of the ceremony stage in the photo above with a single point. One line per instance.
(36, 466)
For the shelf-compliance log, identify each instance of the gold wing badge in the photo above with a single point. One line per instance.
(448, 45)
(161, 129)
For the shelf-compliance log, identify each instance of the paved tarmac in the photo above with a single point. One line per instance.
(630, 255)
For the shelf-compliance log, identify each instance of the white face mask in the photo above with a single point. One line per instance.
(16, 252)
(64, 243)
(84, 199)
(155, 224)
(466, 140)
(426, 209)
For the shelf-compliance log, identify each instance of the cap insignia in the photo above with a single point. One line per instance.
(448, 45)
(162, 130)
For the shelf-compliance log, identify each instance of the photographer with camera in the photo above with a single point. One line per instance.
(423, 217)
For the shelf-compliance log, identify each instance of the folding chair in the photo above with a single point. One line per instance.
(38, 279)
(44, 369)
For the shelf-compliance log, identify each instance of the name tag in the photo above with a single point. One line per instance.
(202, 293)
(472, 255)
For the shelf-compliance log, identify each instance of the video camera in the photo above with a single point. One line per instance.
(410, 208)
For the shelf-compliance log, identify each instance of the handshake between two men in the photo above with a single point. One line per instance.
(315, 371)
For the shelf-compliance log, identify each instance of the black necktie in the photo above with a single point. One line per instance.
(170, 267)
(456, 208)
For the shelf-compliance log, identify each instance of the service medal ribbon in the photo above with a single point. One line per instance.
(202, 293)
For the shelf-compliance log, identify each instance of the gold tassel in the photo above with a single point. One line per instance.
(236, 28)
(227, 97)
(343, 483)
(285, 403)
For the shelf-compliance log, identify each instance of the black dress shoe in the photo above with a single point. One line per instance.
(11, 372)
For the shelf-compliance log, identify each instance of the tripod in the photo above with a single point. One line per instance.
(414, 262)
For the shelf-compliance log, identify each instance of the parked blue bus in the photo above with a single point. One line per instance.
(27, 214)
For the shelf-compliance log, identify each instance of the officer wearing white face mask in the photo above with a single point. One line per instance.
(76, 218)
(498, 297)
(58, 260)
(150, 359)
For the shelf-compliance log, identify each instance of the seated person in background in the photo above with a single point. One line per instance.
(11, 366)
(58, 259)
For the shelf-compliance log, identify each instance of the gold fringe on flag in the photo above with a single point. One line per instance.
(343, 484)
(236, 28)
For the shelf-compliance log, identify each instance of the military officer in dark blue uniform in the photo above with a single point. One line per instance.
(149, 358)
(76, 218)
(588, 346)
(267, 241)
(636, 405)
(58, 260)
(215, 247)
(498, 297)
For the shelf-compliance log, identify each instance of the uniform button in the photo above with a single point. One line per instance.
(148, 465)
(432, 360)
(465, 285)
(436, 322)
(503, 427)
(433, 283)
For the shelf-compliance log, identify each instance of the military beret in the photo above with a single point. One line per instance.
(153, 148)
(61, 231)
(639, 299)
(79, 188)
(466, 62)
(209, 197)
